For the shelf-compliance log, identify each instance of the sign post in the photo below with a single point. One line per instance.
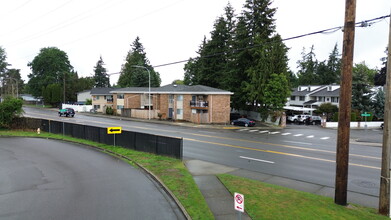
(114, 130)
(239, 204)
(365, 115)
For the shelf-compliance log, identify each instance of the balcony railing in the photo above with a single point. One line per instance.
(199, 104)
(109, 100)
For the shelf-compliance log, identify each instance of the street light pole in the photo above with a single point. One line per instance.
(149, 89)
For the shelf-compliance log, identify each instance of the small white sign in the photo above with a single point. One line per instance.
(239, 202)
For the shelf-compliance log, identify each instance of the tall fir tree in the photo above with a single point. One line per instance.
(101, 77)
(307, 68)
(132, 76)
(361, 89)
(210, 68)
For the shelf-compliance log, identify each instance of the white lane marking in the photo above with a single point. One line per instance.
(285, 133)
(252, 130)
(244, 129)
(325, 138)
(295, 142)
(249, 158)
(276, 132)
(298, 135)
(311, 136)
(263, 132)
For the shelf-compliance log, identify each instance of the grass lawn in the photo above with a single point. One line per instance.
(266, 201)
(171, 171)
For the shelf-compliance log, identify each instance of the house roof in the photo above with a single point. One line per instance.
(102, 91)
(175, 89)
(324, 92)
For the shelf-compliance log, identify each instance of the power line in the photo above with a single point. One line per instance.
(325, 31)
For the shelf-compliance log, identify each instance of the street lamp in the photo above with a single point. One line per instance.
(149, 89)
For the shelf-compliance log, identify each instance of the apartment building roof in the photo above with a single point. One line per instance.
(175, 89)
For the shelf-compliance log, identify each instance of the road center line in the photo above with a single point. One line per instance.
(249, 158)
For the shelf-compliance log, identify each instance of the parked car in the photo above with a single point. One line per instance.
(382, 126)
(314, 120)
(297, 118)
(66, 112)
(243, 122)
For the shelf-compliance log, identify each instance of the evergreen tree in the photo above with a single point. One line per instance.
(334, 67)
(267, 53)
(210, 68)
(3, 61)
(101, 78)
(378, 104)
(380, 76)
(361, 89)
(276, 92)
(132, 76)
(307, 68)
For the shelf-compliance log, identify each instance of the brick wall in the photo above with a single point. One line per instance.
(219, 108)
(186, 107)
(163, 100)
(132, 100)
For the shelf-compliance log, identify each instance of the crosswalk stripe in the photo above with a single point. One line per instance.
(298, 135)
(243, 129)
(276, 132)
(252, 130)
(263, 132)
(325, 138)
(285, 133)
(311, 136)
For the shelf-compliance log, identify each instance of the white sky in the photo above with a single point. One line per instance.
(170, 30)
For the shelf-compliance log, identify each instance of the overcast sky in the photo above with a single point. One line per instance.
(170, 30)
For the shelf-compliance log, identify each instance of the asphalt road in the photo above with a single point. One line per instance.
(47, 179)
(300, 152)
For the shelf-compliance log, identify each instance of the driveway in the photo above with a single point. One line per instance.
(48, 179)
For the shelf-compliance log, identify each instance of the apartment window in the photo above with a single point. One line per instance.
(179, 111)
(321, 99)
(97, 97)
(293, 98)
(335, 99)
(96, 106)
(120, 106)
(171, 99)
(120, 96)
(179, 98)
(302, 98)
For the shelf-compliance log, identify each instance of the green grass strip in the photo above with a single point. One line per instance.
(172, 172)
(266, 201)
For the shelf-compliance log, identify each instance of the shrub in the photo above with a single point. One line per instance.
(109, 111)
(10, 108)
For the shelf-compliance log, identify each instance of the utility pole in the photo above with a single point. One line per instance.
(384, 194)
(341, 177)
(64, 87)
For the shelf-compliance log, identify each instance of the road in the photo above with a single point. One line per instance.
(48, 179)
(300, 152)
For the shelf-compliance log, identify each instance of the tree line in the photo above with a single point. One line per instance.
(244, 54)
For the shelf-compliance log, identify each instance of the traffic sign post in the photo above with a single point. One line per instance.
(239, 204)
(114, 130)
(365, 115)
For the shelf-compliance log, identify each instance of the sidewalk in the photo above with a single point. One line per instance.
(221, 202)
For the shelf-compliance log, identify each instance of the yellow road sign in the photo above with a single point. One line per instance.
(114, 130)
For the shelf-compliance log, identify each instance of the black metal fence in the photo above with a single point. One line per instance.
(160, 145)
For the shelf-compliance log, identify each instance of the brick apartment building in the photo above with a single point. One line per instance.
(197, 104)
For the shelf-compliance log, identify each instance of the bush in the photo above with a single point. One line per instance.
(109, 111)
(10, 108)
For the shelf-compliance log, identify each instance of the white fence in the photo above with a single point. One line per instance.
(356, 124)
(78, 108)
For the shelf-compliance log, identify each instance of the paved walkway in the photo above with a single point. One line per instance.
(221, 202)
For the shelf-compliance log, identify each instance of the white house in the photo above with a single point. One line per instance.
(83, 96)
(314, 96)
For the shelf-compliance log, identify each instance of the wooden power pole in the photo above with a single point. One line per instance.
(341, 177)
(384, 195)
